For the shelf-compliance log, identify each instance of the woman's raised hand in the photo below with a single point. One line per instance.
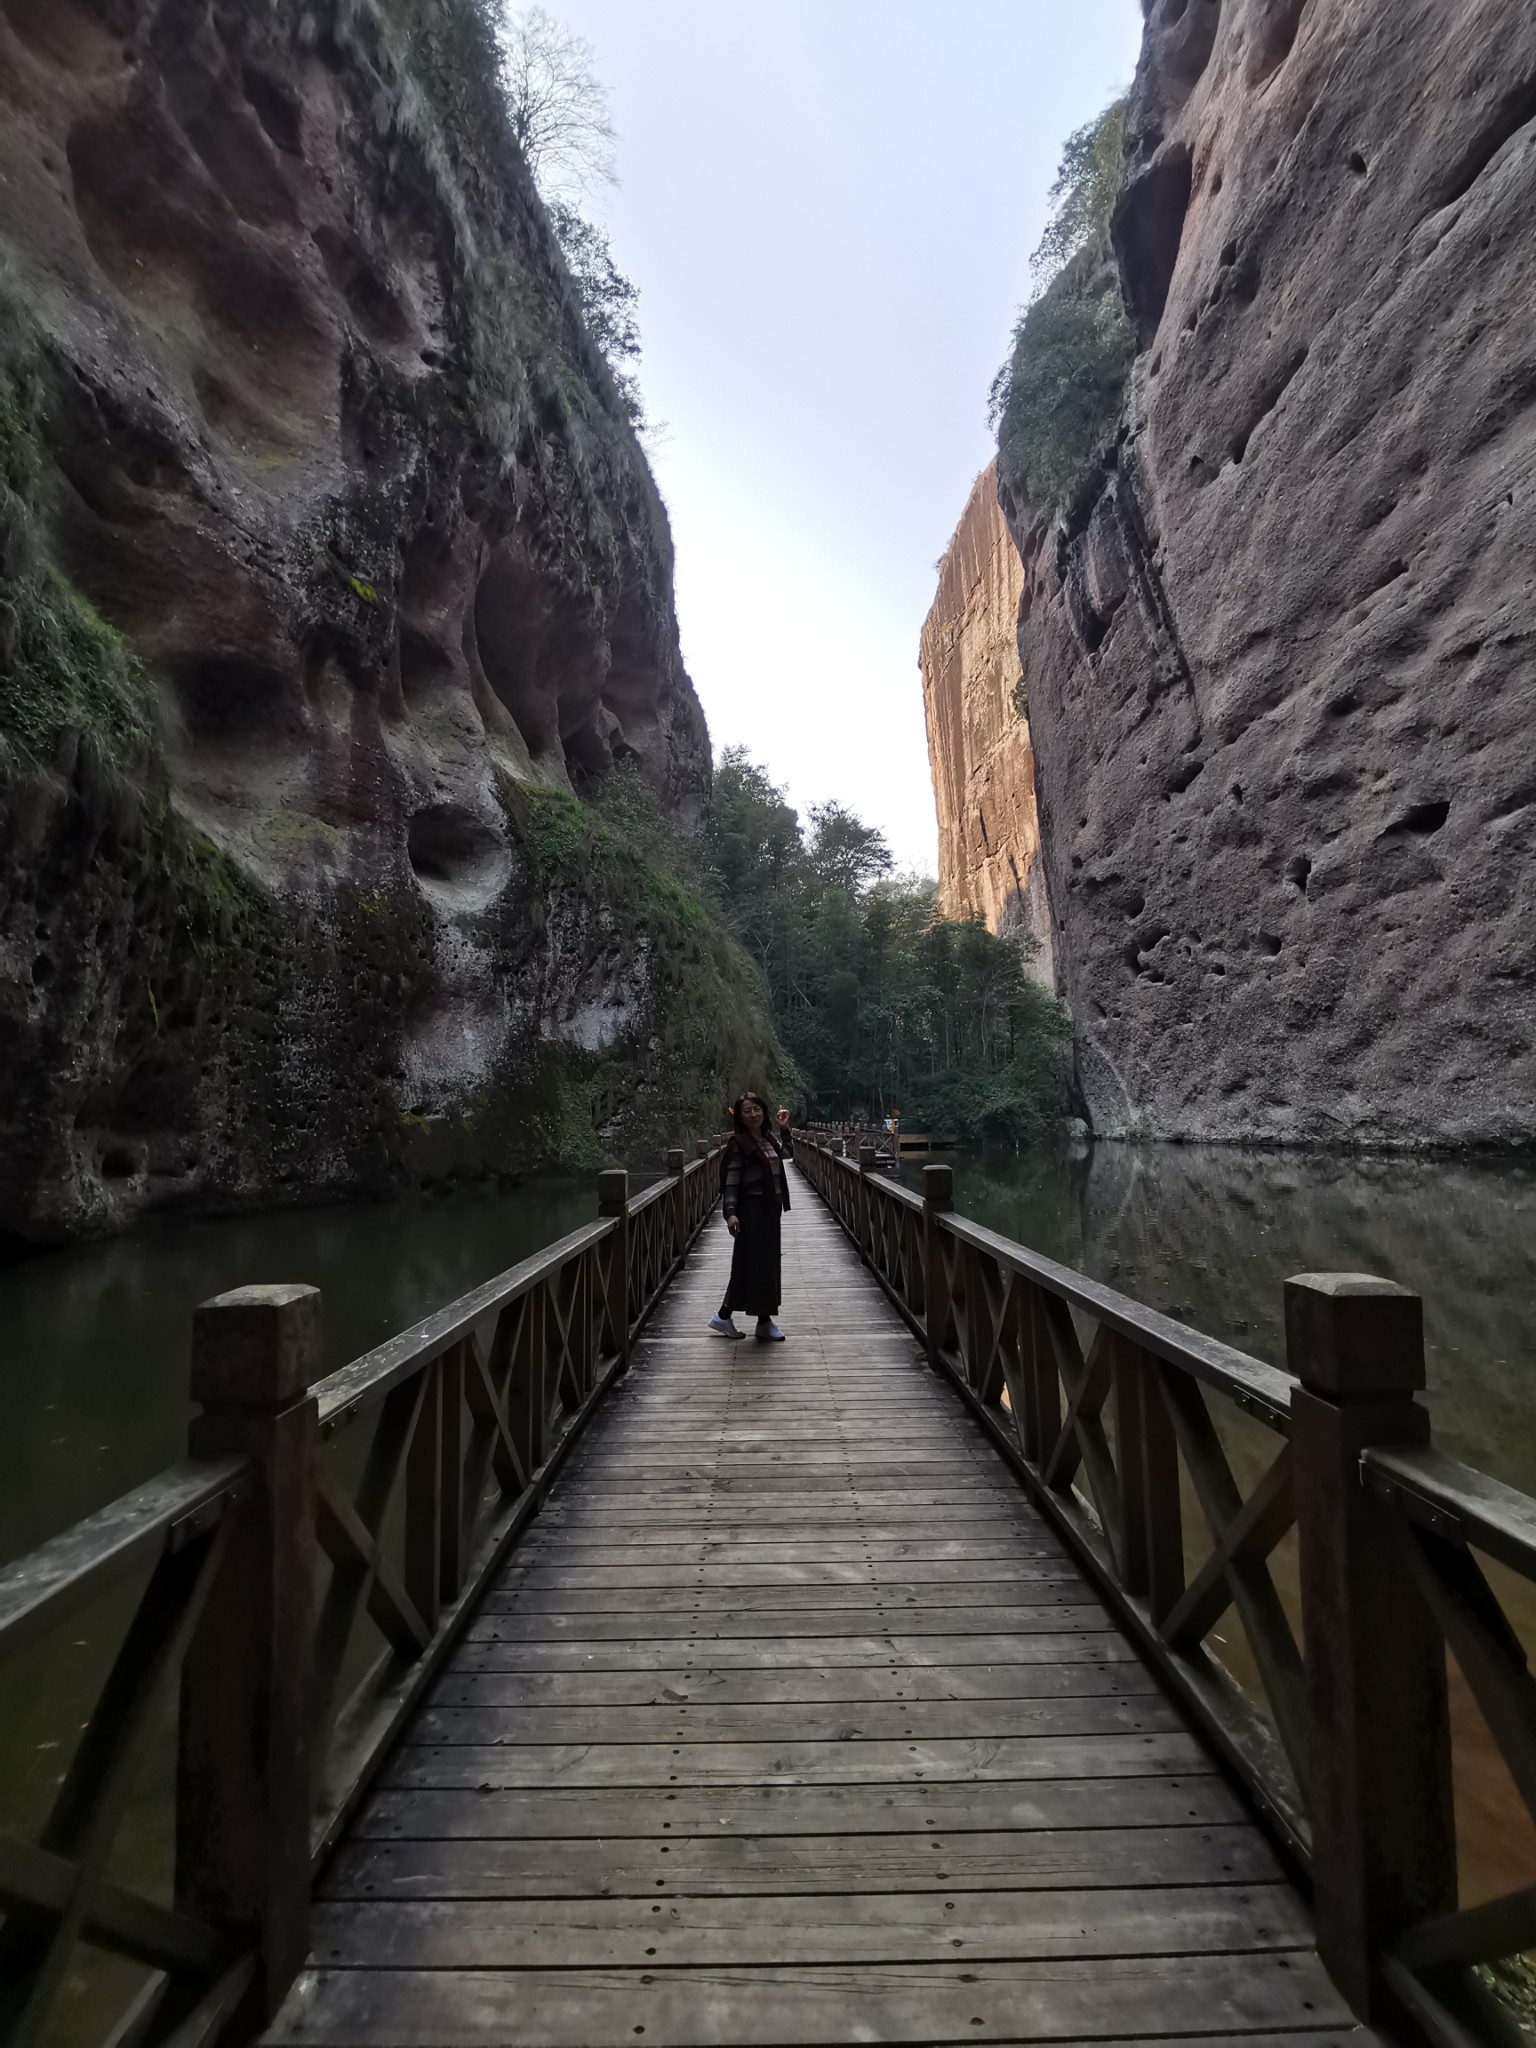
(783, 1116)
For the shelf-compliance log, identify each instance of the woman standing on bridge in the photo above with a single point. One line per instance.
(754, 1196)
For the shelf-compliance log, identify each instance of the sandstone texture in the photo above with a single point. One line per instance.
(978, 744)
(327, 443)
(1281, 655)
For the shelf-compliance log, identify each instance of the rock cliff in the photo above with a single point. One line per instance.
(1280, 652)
(335, 575)
(978, 743)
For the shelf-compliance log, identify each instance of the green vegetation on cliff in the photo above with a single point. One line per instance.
(64, 673)
(886, 1006)
(214, 995)
(1055, 403)
(492, 99)
(705, 1029)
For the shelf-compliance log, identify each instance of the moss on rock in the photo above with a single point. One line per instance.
(64, 673)
(229, 974)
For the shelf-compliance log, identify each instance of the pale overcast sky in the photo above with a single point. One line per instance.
(829, 207)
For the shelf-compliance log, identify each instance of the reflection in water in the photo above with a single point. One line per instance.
(94, 1340)
(93, 1401)
(93, 1371)
(1209, 1234)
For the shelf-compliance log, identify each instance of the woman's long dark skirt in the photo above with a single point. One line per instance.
(755, 1270)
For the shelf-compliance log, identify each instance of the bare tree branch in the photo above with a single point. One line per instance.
(557, 105)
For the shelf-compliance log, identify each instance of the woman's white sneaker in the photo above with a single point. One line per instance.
(724, 1327)
(769, 1333)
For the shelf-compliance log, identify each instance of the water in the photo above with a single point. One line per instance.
(94, 1340)
(1209, 1234)
(93, 1355)
(93, 1362)
(93, 1401)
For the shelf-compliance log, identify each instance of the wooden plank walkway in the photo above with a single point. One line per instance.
(792, 1722)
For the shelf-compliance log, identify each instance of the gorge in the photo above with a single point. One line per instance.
(1277, 646)
(336, 577)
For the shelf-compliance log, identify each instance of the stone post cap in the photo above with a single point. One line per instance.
(255, 1347)
(612, 1191)
(939, 1187)
(1354, 1334)
(866, 1158)
(675, 1159)
(703, 1148)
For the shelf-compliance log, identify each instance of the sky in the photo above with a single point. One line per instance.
(828, 207)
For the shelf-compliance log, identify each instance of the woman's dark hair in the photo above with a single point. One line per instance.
(738, 1126)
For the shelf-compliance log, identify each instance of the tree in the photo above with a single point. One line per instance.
(752, 843)
(557, 109)
(608, 299)
(557, 106)
(844, 853)
(1083, 197)
(884, 1004)
(1056, 400)
(1058, 397)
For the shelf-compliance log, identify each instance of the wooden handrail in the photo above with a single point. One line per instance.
(1262, 1390)
(44, 1588)
(1351, 1762)
(1457, 1502)
(371, 1376)
(288, 1701)
(998, 1320)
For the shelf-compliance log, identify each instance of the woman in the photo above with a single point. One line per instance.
(755, 1194)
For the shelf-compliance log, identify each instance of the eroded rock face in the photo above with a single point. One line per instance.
(336, 456)
(1280, 664)
(979, 752)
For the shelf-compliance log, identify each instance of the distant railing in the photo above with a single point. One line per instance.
(303, 1574)
(848, 1138)
(1105, 1408)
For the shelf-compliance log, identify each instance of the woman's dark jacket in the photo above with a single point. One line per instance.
(744, 1170)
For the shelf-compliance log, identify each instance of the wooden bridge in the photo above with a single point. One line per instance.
(849, 1140)
(858, 1689)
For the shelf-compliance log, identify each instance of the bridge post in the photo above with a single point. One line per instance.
(703, 1198)
(613, 1200)
(245, 1780)
(863, 1203)
(938, 1198)
(1379, 1791)
(678, 1200)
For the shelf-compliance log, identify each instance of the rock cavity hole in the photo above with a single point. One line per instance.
(460, 861)
(1422, 819)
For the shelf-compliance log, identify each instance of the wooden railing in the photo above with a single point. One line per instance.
(848, 1139)
(1285, 1547)
(303, 1573)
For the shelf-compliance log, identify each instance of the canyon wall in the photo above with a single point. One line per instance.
(336, 577)
(979, 750)
(1280, 654)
